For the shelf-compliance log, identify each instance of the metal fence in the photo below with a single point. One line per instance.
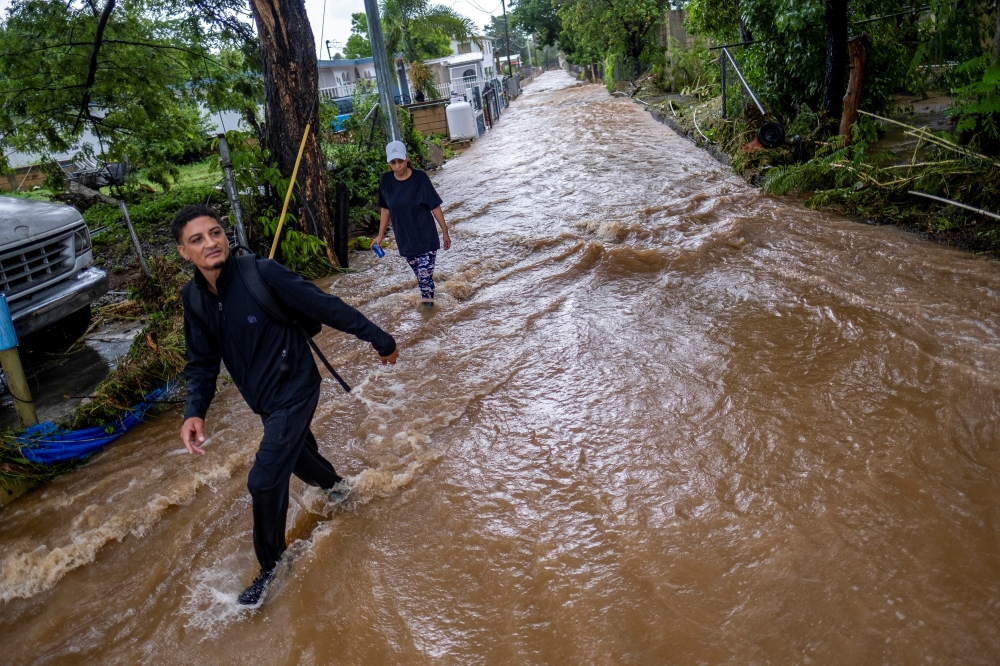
(457, 88)
(338, 92)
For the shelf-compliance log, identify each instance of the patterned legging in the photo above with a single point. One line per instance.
(423, 268)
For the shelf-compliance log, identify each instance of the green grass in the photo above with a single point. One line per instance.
(206, 172)
(35, 195)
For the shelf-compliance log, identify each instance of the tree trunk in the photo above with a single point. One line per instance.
(860, 47)
(996, 38)
(745, 35)
(291, 101)
(836, 56)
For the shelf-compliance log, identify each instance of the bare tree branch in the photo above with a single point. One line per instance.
(242, 30)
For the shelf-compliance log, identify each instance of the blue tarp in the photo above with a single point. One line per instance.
(45, 443)
(338, 122)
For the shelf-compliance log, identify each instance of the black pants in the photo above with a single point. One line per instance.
(288, 447)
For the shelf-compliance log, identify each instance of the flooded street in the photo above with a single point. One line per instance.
(657, 418)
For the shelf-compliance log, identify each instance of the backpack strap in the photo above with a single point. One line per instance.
(262, 293)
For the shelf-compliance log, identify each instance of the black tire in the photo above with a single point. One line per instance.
(771, 135)
(59, 335)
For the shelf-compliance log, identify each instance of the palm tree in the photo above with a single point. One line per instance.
(401, 18)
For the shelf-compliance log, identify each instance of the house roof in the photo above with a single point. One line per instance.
(455, 60)
(345, 63)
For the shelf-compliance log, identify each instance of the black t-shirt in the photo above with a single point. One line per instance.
(410, 203)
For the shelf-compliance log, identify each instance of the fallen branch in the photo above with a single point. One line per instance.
(921, 164)
(927, 135)
(955, 203)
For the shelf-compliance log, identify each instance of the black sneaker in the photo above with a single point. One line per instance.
(340, 492)
(255, 593)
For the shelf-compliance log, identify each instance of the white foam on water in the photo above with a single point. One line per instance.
(28, 572)
(211, 603)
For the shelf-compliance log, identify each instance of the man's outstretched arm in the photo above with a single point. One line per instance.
(307, 299)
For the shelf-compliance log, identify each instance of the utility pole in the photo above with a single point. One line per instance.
(506, 32)
(383, 75)
(531, 38)
(328, 50)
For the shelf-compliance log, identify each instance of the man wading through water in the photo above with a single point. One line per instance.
(272, 366)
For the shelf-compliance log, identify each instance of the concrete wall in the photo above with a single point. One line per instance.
(24, 177)
(429, 117)
(672, 29)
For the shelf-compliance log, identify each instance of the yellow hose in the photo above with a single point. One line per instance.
(288, 194)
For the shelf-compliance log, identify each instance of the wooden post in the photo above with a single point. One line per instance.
(859, 48)
(135, 238)
(229, 178)
(11, 363)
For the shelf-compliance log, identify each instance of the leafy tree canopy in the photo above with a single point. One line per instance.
(358, 45)
(430, 42)
(786, 64)
(537, 17)
(518, 38)
(593, 28)
(409, 26)
(136, 73)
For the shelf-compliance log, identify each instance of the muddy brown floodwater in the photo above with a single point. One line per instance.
(657, 418)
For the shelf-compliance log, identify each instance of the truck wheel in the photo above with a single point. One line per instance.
(61, 334)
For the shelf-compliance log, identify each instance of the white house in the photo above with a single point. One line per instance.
(337, 78)
(468, 65)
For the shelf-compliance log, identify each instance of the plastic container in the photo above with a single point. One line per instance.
(8, 337)
(461, 120)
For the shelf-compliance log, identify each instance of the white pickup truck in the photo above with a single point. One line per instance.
(46, 270)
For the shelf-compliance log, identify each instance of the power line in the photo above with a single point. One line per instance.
(476, 5)
(322, 30)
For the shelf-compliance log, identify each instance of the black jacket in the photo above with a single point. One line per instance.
(270, 363)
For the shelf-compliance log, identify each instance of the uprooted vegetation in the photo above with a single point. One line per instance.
(858, 178)
(156, 356)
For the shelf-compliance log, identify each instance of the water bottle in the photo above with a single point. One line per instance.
(377, 249)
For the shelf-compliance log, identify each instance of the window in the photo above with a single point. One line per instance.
(469, 75)
(465, 47)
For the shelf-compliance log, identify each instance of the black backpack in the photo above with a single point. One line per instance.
(261, 293)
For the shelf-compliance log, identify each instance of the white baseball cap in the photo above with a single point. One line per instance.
(395, 150)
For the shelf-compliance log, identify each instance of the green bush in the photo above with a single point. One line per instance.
(977, 105)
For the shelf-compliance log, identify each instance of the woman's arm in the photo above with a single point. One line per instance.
(439, 216)
(382, 226)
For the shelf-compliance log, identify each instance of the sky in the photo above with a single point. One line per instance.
(337, 24)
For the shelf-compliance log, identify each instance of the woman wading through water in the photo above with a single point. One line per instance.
(409, 197)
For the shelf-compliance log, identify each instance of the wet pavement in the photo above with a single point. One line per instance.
(656, 417)
(60, 381)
